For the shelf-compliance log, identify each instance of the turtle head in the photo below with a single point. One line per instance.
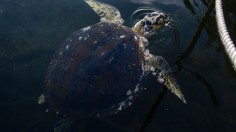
(151, 23)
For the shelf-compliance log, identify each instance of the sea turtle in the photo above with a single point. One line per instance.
(100, 69)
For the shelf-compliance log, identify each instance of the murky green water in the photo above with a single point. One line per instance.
(30, 32)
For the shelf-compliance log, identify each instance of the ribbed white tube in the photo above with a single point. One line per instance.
(224, 35)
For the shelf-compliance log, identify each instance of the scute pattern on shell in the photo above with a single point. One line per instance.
(98, 70)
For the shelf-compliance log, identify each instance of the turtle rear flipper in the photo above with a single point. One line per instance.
(106, 11)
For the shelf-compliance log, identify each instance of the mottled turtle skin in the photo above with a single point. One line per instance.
(97, 70)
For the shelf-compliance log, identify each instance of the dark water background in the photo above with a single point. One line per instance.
(31, 30)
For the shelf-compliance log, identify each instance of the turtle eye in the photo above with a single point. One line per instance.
(149, 23)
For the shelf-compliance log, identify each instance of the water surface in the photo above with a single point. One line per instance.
(31, 31)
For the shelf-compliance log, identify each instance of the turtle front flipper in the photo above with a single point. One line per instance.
(107, 12)
(161, 69)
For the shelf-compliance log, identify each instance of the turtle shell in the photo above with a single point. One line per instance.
(97, 71)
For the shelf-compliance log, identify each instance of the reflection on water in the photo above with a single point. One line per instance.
(30, 32)
(175, 2)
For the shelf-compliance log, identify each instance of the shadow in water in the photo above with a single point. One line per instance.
(190, 48)
(189, 6)
(204, 81)
(149, 116)
(195, 38)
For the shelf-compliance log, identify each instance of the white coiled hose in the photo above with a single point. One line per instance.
(224, 35)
